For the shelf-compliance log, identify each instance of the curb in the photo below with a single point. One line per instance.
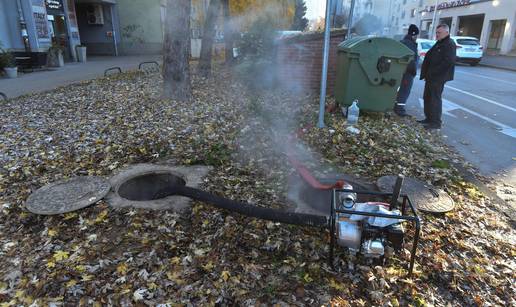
(497, 67)
(499, 204)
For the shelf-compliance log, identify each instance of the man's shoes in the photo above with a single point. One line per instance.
(432, 126)
(423, 121)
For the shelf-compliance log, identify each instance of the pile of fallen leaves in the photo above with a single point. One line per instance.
(105, 256)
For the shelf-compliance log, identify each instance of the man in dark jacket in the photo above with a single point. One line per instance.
(438, 68)
(408, 77)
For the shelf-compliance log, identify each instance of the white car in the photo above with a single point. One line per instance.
(469, 49)
(423, 45)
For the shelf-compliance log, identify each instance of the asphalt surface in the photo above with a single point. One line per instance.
(40, 81)
(479, 118)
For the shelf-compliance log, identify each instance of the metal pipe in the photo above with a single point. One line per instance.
(350, 19)
(433, 20)
(326, 51)
(23, 26)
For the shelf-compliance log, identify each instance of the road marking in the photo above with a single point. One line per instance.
(449, 106)
(481, 98)
(486, 77)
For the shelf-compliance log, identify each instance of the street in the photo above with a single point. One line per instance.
(479, 118)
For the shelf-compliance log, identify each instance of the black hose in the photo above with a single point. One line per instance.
(274, 215)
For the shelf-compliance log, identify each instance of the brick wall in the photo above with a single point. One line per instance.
(299, 61)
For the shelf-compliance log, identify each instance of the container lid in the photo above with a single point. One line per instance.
(368, 51)
(425, 197)
(67, 195)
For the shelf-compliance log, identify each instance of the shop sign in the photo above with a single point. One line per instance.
(451, 4)
(39, 14)
(54, 6)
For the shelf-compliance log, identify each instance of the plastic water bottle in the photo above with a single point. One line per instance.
(353, 112)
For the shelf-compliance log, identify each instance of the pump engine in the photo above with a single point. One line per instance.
(374, 230)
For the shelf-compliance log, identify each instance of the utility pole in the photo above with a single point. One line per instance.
(350, 19)
(326, 51)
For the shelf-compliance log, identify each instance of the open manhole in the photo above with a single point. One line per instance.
(150, 186)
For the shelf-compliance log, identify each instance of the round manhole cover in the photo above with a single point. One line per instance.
(424, 197)
(67, 195)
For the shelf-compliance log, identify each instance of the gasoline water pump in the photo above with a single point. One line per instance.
(373, 230)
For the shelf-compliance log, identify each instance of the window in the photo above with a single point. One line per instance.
(404, 1)
(420, 3)
(403, 15)
(468, 42)
(413, 13)
(426, 45)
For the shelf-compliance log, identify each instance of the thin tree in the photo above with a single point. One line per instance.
(300, 22)
(176, 51)
(207, 38)
(228, 33)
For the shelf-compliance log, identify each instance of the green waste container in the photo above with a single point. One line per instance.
(369, 69)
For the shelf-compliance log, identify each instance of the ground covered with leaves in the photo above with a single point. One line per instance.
(123, 257)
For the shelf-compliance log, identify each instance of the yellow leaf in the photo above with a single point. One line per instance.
(152, 286)
(52, 232)
(51, 264)
(19, 294)
(307, 278)
(122, 268)
(28, 300)
(60, 255)
(337, 285)
(87, 277)
(69, 216)
(175, 260)
(102, 216)
(71, 283)
(174, 276)
(225, 275)
(208, 266)
(9, 304)
(80, 268)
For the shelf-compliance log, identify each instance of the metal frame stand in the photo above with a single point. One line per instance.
(414, 218)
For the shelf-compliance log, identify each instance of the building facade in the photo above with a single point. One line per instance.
(491, 21)
(379, 9)
(105, 27)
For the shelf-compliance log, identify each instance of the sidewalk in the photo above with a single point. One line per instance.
(499, 61)
(39, 81)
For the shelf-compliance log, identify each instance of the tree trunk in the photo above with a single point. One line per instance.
(207, 38)
(228, 33)
(176, 51)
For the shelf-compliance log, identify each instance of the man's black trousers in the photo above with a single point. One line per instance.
(433, 101)
(403, 93)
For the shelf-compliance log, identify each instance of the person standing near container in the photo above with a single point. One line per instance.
(408, 76)
(437, 69)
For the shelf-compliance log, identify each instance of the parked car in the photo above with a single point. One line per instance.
(423, 45)
(469, 49)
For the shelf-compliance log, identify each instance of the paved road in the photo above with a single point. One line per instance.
(72, 72)
(479, 115)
